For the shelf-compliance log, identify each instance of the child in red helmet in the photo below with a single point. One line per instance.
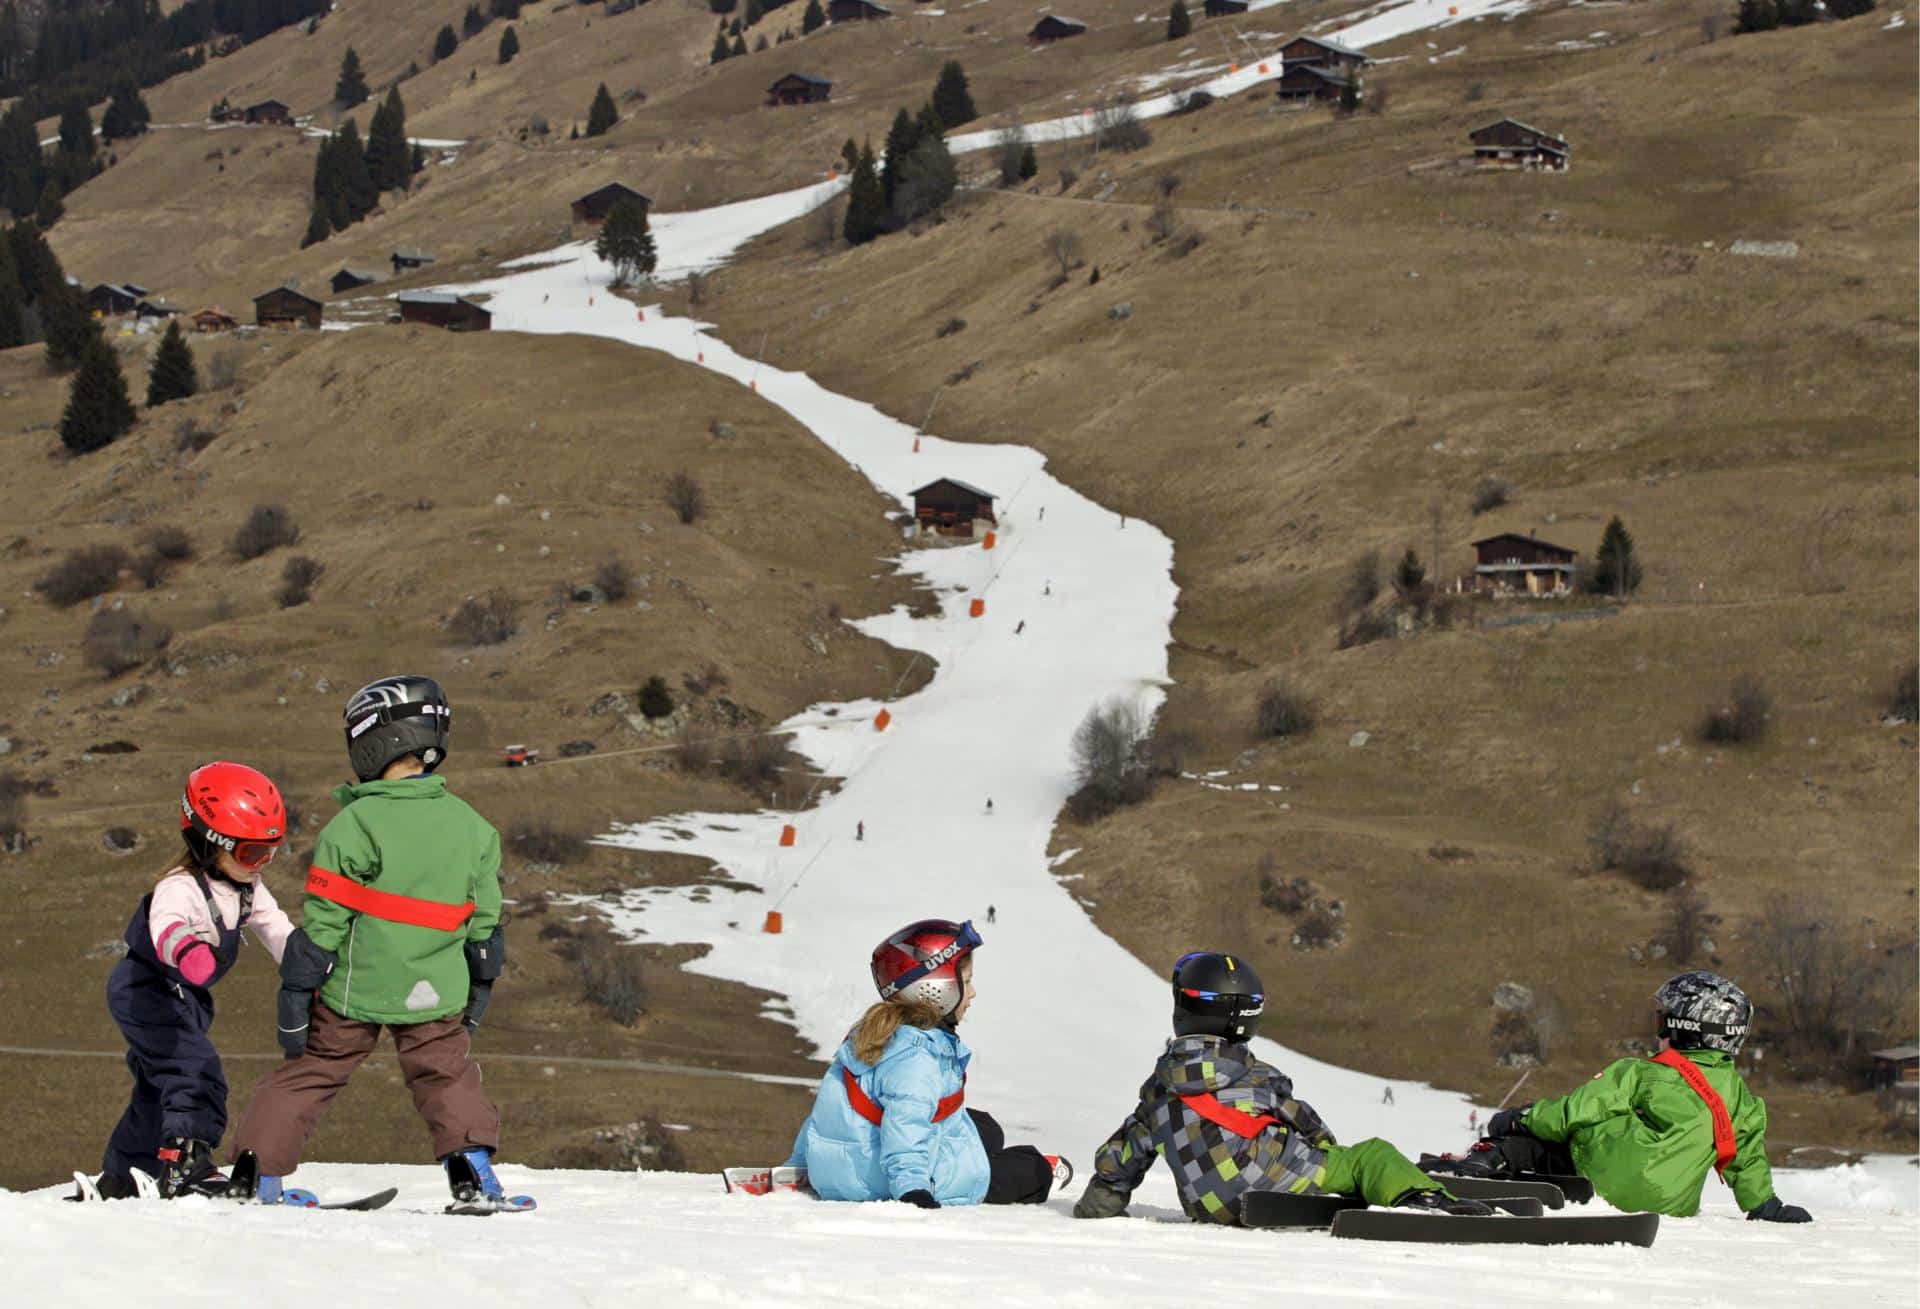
(183, 938)
(887, 1123)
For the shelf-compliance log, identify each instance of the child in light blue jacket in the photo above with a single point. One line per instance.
(889, 1121)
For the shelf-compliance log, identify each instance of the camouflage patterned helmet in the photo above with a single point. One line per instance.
(1703, 1011)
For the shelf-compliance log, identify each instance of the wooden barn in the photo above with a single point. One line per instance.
(1510, 143)
(155, 308)
(270, 112)
(1055, 27)
(444, 309)
(1322, 54)
(593, 207)
(800, 89)
(347, 279)
(856, 11)
(1225, 8)
(1309, 82)
(214, 319)
(408, 257)
(285, 307)
(1512, 564)
(950, 506)
(107, 300)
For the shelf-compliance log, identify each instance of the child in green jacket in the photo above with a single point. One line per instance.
(401, 930)
(1646, 1132)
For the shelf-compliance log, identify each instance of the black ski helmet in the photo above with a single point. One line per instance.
(1216, 995)
(1703, 1011)
(397, 716)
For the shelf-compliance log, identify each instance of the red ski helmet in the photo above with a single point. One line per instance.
(234, 808)
(921, 962)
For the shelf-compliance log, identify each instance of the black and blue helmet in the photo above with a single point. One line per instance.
(1216, 995)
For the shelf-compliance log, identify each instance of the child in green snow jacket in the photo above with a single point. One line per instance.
(1646, 1132)
(1228, 1124)
(400, 929)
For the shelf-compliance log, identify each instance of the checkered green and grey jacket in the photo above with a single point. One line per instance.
(1212, 1166)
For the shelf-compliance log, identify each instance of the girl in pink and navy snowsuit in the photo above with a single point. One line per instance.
(182, 939)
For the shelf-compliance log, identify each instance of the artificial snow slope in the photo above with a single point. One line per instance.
(621, 1239)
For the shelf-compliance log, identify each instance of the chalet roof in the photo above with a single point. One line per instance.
(285, 290)
(808, 78)
(266, 104)
(1522, 536)
(413, 253)
(120, 288)
(211, 311)
(366, 274)
(954, 481)
(877, 8)
(435, 298)
(137, 289)
(1525, 127)
(159, 306)
(1333, 46)
(1060, 19)
(1314, 70)
(614, 190)
(1898, 1053)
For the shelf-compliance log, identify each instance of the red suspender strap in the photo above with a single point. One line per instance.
(385, 905)
(864, 1105)
(1208, 1106)
(1724, 1146)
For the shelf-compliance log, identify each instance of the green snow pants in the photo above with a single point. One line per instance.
(1372, 1169)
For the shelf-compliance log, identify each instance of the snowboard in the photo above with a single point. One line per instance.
(1278, 1209)
(764, 1181)
(1490, 1188)
(1572, 1186)
(1447, 1229)
(484, 1207)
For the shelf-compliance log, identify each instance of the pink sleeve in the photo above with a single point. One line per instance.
(177, 917)
(268, 921)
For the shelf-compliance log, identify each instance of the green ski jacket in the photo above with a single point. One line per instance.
(403, 877)
(1645, 1140)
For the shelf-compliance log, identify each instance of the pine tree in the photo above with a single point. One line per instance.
(1616, 565)
(509, 45)
(350, 88)
(850, 153)
(330, 184)
(76, 132)
(813, 19)
(901, 138)
(1179, 21)
(1029, 162)
(603, 114)
(473, 22)
(389, 153)
(51, 207)
(761, 43)
(445, 44)
(22, 167)
(655, 700)
(67, 324)
(318, 228)
(866, 203)
(928, 180)
(739, 47)
(507, 9)
(626, 241)
(720, 51)
(126, 116)
(1349, 100)
(13, 300)
(754, 13)
(951, 100)
(1757, 16)
(362, 196)
(99, 410)
(172, 376)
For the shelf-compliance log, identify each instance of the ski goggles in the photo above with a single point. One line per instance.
(965, 941)
(254, 854)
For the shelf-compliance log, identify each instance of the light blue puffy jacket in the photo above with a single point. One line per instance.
(849, 1158)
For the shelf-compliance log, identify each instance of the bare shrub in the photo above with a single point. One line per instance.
(686, 497)
(1008, 147)
(488, 621)
(1711, 26)
(696, 288)
(84, 573)
(542, 842)
(754, 762)
(150, 570)
(267, 528)
(1315, 929)
(297, 579)
(1903, 705)
(1361, 587)
(1524, 1037)
(1364, 628)
(1449, 608)
(170, 543)
(611, 977)
(709, 678)
(949, 328)
(1651, 855)
(614, 578)
(1282, 895)
(1066, 251)
(1489, 493)
(1163, 221)
(1688, 920)
(694, 754)
(1166, 184)
(192, 436)
(1379, 96)
(1283, 710)
(119, 639)
(223, 370)
(1117, 126)
(1068, 176)
(1476, 92)
(1107, 764)
(825, 226)
(1742, 717)
(1187, 242)
(1833, 984)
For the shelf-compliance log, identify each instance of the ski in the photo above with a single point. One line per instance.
(485, 1206)
(764, 1181)
(1446, 1229)
(1280, 1209)
(1576, 1188)
(1491, 1188)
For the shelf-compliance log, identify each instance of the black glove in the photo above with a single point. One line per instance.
(1775, 1212)
(920, 1200)
(1100, 1199)
(294, 1016)
(478, 994)
(304, 968)
(1507, 1122)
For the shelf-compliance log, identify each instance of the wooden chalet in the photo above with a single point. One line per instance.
(1309, 82)
(1512, 564)
(1055, 27)
(856, 11)
(151, 307)
(1225, 8)
(408, 257)
(107, 300)
(1896, 1066)
(285, 307)
(444, 309)
(1510, 143)
(950, 506)
(214, 319)
(593, 207)
(1322, 54)
(800, 89)
(347, 279)
(270, 112)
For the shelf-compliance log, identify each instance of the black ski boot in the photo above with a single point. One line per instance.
(186, 1168)
(1441, 1203)
(1482, 1159)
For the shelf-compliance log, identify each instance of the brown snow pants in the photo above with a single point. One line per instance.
(435, 1060)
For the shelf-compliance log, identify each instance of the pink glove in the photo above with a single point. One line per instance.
(197, 964)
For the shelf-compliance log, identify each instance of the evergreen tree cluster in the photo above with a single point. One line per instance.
(474, 21)
(626, 241)
(126, 116)
(1179, 21)
(952, 102)
(602, 114)
(33, 182)
(813, 19)
(1766, 15)
(349, 175)
(916, 177)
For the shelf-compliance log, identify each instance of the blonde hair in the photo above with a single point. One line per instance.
(874, 1031)
(186, 864)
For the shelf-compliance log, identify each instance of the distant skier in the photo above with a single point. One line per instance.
(989, 805)
(401, 930)
(991, 916)
(1048, 589)
(860, 830)
(1021, 628)
(1227, 1124)
(887, 1121)
(183, 938)
(1386, 1095)
(1043, 513)
(1647, 1131)
(1473, 1121)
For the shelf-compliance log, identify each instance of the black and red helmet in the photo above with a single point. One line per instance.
(920, 963)
(1216, 995)
(235, 808)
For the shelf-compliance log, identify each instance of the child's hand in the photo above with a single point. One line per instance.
(1100, 1199)
(1773, 1211)
(1507, 1122)
(197, 964)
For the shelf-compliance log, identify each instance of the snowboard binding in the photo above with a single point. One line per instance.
(476, 1189)
(246, 1185)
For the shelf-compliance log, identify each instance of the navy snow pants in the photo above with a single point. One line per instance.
(179, 1088)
